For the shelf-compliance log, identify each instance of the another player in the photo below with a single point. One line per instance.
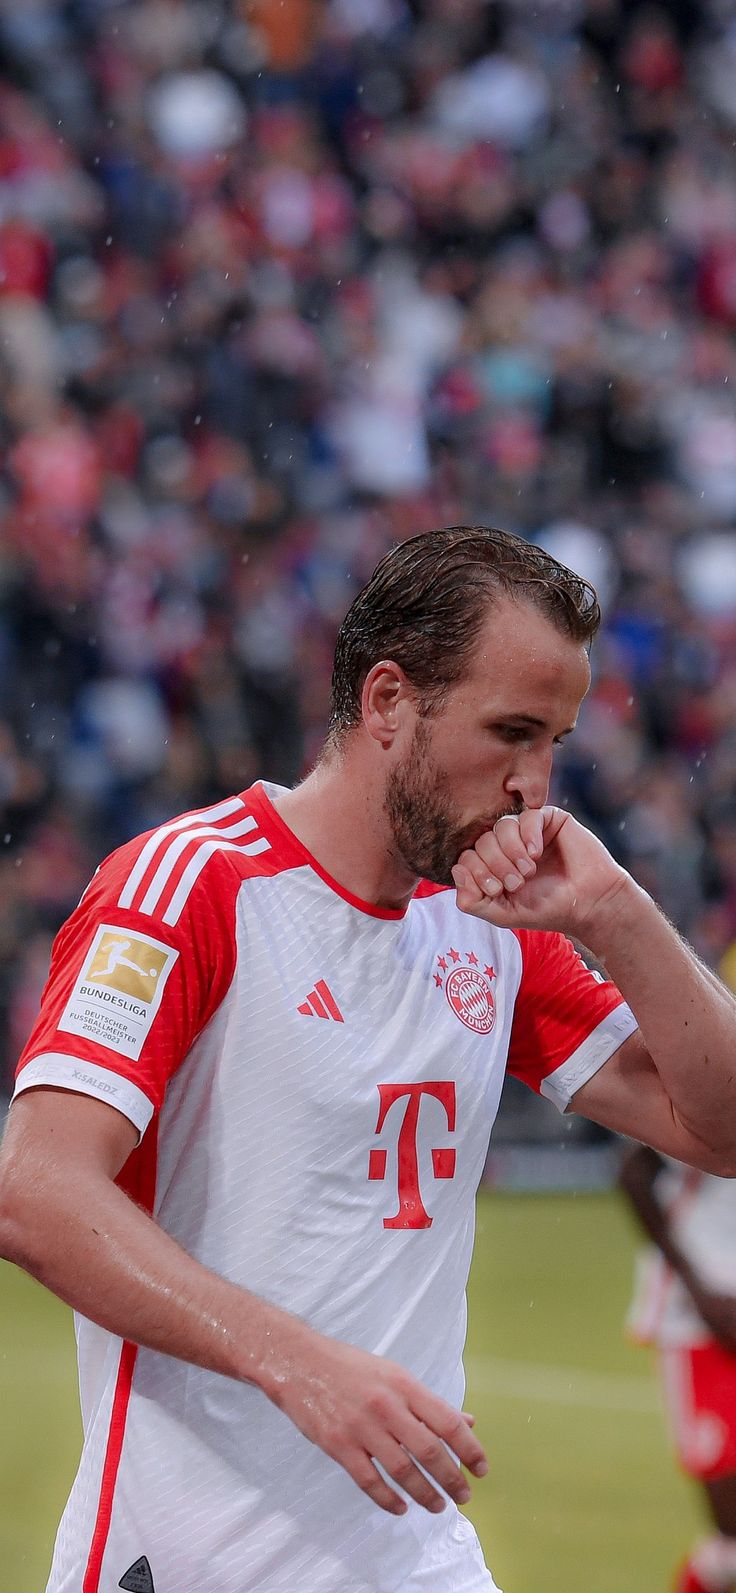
(248, 1154)
(685, 1303)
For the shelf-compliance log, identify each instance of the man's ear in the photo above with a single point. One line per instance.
(385, 698)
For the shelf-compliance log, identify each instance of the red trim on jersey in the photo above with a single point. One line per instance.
(115, 1437)
(138, 1179)
(174, 853)
(558, 1005)
(274, 827)
(203, 937)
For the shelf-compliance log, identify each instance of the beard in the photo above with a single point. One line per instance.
(426, 824)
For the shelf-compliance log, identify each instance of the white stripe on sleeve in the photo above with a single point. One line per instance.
(176, 847)
(222, 810)
(596, 1049)
(87, 1078)
(198, 862)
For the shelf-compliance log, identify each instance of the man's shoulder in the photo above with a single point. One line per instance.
(158, 872)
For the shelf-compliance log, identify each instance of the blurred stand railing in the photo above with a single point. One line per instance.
(534, 1147)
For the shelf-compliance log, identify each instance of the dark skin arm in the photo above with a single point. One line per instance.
(637, 1178)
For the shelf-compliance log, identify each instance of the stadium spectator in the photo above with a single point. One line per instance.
(280, 286)
(209, 1134)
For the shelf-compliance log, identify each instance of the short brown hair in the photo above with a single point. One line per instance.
(426, 601)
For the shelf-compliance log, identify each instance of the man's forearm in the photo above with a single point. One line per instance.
(687, 1017)
(108, 1260)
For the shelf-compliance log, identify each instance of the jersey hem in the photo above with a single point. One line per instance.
(65, 1071)
(561, 1085)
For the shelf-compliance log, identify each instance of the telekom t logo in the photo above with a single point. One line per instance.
(412, 1212)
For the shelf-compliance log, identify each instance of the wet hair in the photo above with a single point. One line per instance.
(425, 604)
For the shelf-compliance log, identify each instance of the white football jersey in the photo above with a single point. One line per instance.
(314, 1079)
(702, 1214)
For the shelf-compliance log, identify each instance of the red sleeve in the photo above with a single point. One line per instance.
(567, 1020)
(128, 993)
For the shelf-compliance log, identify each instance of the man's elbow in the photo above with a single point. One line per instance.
(724, 1163)
(717, 1159)
(20, 1229)
(714, 1154)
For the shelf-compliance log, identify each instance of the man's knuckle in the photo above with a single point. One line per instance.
(378, 1492)
(419, 1488)
(377, 1406)
(403, 1470)
(456, 1434)
(462, 1440)
(365, 1475)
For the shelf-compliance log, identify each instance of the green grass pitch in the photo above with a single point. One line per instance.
(582, 1493)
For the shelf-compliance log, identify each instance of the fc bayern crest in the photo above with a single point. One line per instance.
(468, 989)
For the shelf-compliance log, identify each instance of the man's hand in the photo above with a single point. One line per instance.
(541, 870)
(360, 1408)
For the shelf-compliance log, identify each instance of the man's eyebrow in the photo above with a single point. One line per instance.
(521, 719)
(528, 719)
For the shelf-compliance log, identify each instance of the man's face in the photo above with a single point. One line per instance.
(488, 750)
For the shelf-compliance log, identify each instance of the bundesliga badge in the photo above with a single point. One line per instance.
(468, 989)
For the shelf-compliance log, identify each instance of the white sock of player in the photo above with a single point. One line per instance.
(713, 1562)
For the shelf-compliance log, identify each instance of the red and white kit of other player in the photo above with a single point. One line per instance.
(698, 1372)
(314, 1080)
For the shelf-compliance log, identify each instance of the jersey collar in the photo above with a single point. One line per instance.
(287, 844)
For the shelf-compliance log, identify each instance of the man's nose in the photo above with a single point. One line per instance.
(530, 781)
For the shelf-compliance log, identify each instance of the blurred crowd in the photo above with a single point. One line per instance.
(284, 281)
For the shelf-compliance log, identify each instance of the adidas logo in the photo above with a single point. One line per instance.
(321, 1003)
(138, 1578)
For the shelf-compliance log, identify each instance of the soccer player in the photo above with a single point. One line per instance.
(685, 1303)
(247, 1155)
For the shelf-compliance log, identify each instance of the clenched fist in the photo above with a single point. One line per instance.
(540, 870)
